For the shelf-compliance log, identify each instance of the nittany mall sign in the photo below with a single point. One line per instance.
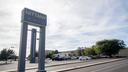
(31, 17)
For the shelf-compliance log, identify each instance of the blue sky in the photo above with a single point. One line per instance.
(71, 23)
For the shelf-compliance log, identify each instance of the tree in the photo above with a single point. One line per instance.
(98, 49)
(56, 51)
(80, 51)
(14, 57)
(6, 54)
(51, 54)
(109, 47)
(89, 51)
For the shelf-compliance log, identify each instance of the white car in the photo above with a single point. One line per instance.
(47, 60)
(82, 58)
(73, 58)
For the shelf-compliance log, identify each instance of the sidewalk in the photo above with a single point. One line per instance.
(13, 66)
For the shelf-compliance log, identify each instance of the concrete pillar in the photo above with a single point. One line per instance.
(41, 58)
(33, 46)
(22, 50)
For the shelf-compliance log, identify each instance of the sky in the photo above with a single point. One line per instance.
(71, 23)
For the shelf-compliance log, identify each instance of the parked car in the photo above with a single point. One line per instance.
(58, 58)
(94, 56)
(47, 60)
(104, 56)
(73, 58)
(82, 58)
(61, 56)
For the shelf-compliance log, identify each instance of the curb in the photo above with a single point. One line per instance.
(84, 66)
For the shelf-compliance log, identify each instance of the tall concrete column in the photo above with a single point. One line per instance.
(41, 58)
(33, 46)
(22, 50)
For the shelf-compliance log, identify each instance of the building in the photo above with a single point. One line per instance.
(123, 52)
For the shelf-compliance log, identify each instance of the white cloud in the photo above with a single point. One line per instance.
(71, 23)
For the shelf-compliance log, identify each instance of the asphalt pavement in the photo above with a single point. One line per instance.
(61, 68)
(60, 65)
(118, 66)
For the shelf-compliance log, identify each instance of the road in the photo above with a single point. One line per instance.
(56, 68)
(119, 66)
(98, 68)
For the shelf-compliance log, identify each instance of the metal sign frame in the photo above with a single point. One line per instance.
(36, 19)
(33, 17)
